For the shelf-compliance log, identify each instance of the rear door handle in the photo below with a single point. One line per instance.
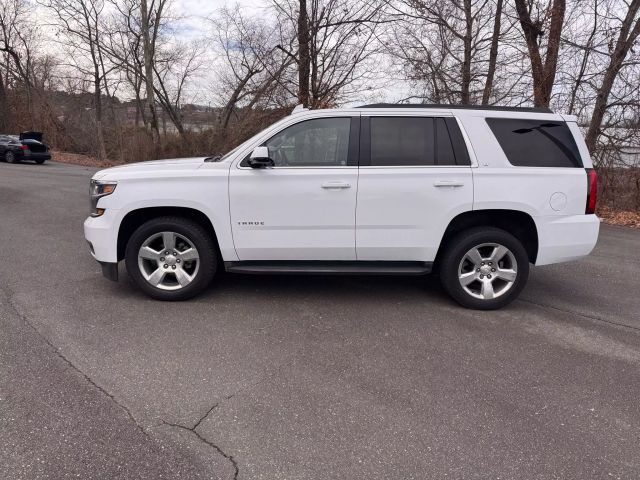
(336, 185)
(448, 183)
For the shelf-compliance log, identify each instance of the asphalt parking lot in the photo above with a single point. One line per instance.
(305, 377)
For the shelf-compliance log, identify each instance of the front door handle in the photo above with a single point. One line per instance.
(336, 185)
(448, 183)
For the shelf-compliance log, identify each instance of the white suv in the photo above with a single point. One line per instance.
(475, 194)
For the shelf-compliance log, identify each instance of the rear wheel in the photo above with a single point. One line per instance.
(484, 268)
(171, 258)
(40, 161)
(10, 157)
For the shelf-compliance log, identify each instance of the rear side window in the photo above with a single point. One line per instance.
(412, 141)
(402, 141)
(536, 143)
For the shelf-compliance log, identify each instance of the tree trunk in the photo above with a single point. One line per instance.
(5, 118)
(465, 96)
(543, 74)
(493, 55)
(227, 110)
(304, 54)
(97, 99)
(626, 39)
(148, 69)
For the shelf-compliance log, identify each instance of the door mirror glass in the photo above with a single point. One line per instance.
(260, 158)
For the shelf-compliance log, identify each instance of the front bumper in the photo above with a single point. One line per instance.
(102, 234)
(110, 270)
(566, 238)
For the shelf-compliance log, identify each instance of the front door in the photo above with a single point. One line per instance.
(304, 207)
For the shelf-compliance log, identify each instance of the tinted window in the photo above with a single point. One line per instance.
(444, 147)
(402, 141)
(536, 143)
(320, 142)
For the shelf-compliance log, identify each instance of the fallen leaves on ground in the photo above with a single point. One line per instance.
(84, 160)
(619, 217)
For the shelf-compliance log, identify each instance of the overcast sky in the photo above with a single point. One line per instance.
(201, 90)
(193, 26)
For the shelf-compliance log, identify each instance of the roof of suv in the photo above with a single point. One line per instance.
(461, 107)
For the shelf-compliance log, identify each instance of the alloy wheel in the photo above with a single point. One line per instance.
(168, 260)
(488, 271)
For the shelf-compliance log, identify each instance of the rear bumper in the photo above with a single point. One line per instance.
(566, 238)
(29, 155)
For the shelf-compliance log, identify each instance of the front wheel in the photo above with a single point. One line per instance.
(171, 258)
(484, 268)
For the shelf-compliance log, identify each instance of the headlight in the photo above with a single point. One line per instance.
(97, 190)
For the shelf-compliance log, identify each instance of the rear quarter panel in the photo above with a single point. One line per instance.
(539, 191)
(554, 197)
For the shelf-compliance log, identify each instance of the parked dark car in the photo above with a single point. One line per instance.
(26, 146)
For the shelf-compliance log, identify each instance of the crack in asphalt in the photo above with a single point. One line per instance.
(193, 430)
(579, 314)
(205, 416)
(216, 405)
(60, 355)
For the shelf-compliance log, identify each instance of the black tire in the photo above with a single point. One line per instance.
(455, 253)
(40, 161)
(10, 157)
(201, 240)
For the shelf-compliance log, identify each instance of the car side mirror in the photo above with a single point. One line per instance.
(260, 158)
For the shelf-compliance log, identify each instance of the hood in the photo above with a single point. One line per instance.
(154, 168)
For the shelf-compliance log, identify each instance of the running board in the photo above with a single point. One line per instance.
(329, 267)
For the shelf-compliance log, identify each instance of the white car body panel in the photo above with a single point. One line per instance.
(388, 213)
(402, 214)
(286, 214)
(181, 183)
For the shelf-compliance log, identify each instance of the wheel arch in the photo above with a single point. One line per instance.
(133, 219)
(518, 223)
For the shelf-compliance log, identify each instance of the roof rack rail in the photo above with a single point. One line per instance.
(462, 107)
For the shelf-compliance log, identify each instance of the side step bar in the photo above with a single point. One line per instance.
(329, 267)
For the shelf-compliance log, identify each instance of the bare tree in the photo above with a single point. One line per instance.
(149, 60)
(543, 72)
(493, 54)
(172, 70)
(81, 24)
(335, 46)
(252, 65)
(450, 49)
(148, 45)
(626, 39)
(17, 44)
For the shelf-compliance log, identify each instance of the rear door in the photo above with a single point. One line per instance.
(415, 176)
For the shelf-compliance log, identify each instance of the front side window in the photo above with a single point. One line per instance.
(536, 143)
(321, 142)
